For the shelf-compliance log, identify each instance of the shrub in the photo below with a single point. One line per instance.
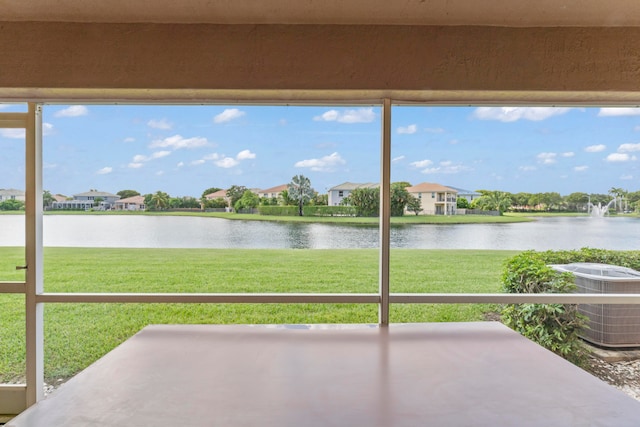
(554, 326)
(278, 210)
(329, 211)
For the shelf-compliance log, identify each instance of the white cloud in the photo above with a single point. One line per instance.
(160, 154)
(3, 106)
(626, 177)
(397, 159)
(177, 142)
(595, 148)
(160, 173)
(228, 115)
(421, 163)
(512, 114)
(162, 124)
(628, 148)
(134, 165)
(361, 115)
(180, 164)
(245, 154)
(12, 133)
(547, 158)
(446, 167)
(527, 168)
(72, 111)
(138, 158)
(411, 129)
(637, 128)
(47, 128)
(198, 162)
(612, 112)
(105, 170)
(323, 164)
(568, 154)
(453, 142)
(580, 168)
(212, 156)
(129, 139)
(227, 162)
(619, 157)
(434, 130)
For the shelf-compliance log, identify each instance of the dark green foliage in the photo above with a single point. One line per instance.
(217, 203)
(400, 197)
(234, 193)
(554, 326)
(329, 211)
(125, 194)
(366, 201)
(462, 203)
(11, 205)
(249, 200)
(278, 210)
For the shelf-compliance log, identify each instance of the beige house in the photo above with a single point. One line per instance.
(273, 191)
(435, 199)
(134, 203)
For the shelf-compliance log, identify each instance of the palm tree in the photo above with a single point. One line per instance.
(494, 201)
(160, 200)
(300, 190)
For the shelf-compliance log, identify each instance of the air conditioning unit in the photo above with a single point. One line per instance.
(610, 325)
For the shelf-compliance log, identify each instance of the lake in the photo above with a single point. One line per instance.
(555, 233)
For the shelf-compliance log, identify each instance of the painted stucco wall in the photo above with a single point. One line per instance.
(420, 60)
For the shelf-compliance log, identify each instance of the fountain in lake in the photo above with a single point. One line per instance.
(600, 211)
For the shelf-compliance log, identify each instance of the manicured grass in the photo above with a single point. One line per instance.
(407, 219)
(78, 334)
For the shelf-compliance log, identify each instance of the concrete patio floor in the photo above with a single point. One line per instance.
(437, 374)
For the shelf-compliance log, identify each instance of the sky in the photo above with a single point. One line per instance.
(183, 150)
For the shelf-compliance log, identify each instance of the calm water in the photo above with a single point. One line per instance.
(193, 232)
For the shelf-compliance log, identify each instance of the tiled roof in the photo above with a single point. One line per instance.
(277, 189)
(133, 199)
(426, 187)
(350, 186)
(217, 194)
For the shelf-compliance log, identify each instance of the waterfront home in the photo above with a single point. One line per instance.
(11, 194)
(134, 203)
(435, 199)
(87, 200)
(273, 192)
(339, 192)
(466, 194)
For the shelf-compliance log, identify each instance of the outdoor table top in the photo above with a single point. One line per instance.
(436, 374)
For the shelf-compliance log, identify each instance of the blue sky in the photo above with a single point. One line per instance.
(183, 150)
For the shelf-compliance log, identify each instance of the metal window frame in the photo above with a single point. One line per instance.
(16, 397)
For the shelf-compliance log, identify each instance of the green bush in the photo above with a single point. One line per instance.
(278, 210)
(329, 211)
(554, 326)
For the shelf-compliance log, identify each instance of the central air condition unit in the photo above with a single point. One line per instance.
(610, 325)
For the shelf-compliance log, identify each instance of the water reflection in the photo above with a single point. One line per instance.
(195, 232)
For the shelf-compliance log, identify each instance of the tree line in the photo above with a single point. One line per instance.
(366, 201)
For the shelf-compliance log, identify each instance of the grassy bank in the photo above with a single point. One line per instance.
(78, 334)
(407, 219)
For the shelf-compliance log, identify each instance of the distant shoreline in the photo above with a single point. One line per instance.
(403, 220)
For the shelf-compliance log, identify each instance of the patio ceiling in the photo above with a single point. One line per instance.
(507, 13)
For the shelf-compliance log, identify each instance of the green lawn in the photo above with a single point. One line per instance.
(407, 219)
(78, 334)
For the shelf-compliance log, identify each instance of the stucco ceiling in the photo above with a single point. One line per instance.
(509, 13)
